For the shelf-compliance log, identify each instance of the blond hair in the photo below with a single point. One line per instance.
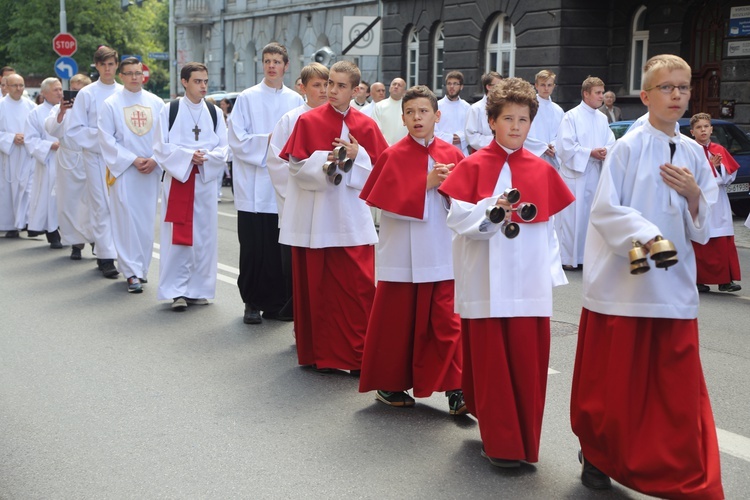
(670, 62)
(313, 70)
(543, 75)
(348, 68)
(697, 117)
(590, 82)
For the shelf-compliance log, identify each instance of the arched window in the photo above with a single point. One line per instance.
(412, 59)
(500, 51)
(638, 49)
(438, 43)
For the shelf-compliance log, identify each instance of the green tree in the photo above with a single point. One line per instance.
(27, 29)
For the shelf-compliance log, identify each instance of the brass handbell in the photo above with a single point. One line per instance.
(664, 253)
(329, 168)
(638, 261)
(339, 153)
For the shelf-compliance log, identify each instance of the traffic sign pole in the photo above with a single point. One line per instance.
(64, 29)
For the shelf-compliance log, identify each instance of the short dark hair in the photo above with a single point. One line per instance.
(456, 75)
(191, 68)
(487, 79)
(275, 48)
(127, 62)
(697, 117)
(418, 91)
(6, 69)
(103, 53)
(362, 82)
(512, 91)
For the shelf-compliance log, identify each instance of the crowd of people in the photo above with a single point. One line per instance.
(482, 210)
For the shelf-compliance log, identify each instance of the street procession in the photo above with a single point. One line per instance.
(374, 249)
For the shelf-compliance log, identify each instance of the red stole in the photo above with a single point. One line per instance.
(398, 180)
(474, 179)
(180, 209)
(316, 129)
(730, 164)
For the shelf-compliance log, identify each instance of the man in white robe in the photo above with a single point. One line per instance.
(43, 147)
(83, 129)
(387, 113)
(73, 212)
(127, 122)
(193, 153)
(453, 113)
(255, 113)
(18, 164)
(543, 132)
(477, 129)
(377, 94)
(583, 140)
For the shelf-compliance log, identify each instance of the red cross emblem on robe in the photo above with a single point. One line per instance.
(139, 119)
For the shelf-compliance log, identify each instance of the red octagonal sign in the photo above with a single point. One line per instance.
(64, 44)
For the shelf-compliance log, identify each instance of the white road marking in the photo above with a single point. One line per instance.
(550, 371)
(219, 276)
(734, 444)
(234, 216)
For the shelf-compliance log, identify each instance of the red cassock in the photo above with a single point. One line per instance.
(717, 261)
(640, 408)
(333, 287)
(506, 359)
(414, 336)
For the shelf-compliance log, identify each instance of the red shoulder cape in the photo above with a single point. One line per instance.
(316, 130)
(398, 180)
(726, 158)
(474, 179)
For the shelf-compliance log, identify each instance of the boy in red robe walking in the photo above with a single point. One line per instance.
(414, 336)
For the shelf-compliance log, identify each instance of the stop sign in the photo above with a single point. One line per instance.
(145, 73)
(64, 44)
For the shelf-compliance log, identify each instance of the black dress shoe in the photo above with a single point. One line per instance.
(730, 287)
(703, 288)
(107, 267)
(591, 477)
(251, 316)
(11, 234)
(277, 315)
(75, 253)
(33, 234)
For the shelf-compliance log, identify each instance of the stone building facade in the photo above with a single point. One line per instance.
(421, 40)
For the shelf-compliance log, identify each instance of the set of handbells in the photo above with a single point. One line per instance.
(663, 253)
(498, 215)
(340, 162)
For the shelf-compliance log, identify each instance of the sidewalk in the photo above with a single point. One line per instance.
(741, 233)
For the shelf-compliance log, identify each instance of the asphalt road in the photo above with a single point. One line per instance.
(109, 395)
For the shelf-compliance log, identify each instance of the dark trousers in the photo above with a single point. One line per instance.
(261, 280)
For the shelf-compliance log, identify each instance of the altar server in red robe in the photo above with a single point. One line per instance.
(717, 260)
(332, 234)
(639, 404)
(504, 285)
(414, 336)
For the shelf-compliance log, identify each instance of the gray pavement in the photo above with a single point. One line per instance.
(110, 395)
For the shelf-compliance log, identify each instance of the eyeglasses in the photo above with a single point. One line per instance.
(132, 73)
(16, 86)
(668, 88)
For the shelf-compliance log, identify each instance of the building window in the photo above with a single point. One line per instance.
(412, 59)
(438, 43)
(638, 49)
(500, 52)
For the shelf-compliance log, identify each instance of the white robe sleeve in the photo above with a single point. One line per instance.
(6, 137)
(308, 174)
(216, 158)
(117, 158)
(555, 264)
(33, 136)
(176, 160)
(572, 154)
(278, 169)
(247, 146)
(357, 176)
(53, 128)
(469, 220)
(79, 130)
(474, 126)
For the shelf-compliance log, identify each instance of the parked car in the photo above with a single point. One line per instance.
(735, 140)
(218, 96)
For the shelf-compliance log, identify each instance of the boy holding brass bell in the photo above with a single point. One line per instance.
(507, 260)
(414, 335)
(639, 404)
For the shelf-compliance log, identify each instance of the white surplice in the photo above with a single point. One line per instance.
(326, 215)
(543, 131)
(17, 163)
(582, 129)
(498, 277)
(127, 122)
(477, 128)
(453, 121)
(254, 115)
(43, 204)
(82, 128)
(634, 203)
(414, 250)
(190, 271)
(278, 169)
(70, 185)
(387, 114)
